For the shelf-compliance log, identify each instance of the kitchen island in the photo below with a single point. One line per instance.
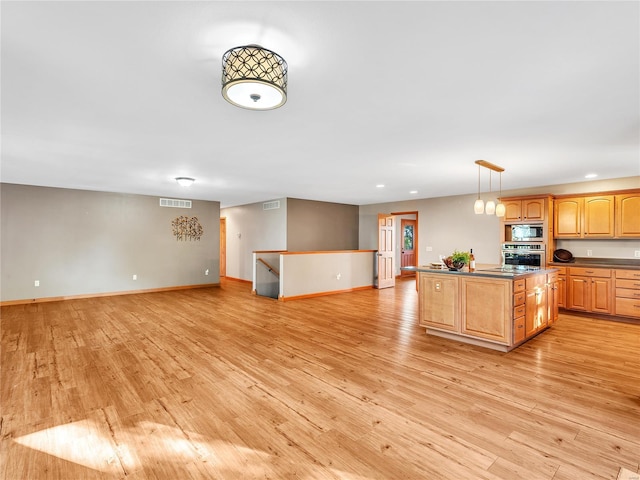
(491, 307)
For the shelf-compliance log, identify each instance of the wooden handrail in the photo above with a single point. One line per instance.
(269, 267)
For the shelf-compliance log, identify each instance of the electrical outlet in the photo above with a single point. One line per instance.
(37, 282)
(636, 253)
(135, 277)
(589, 253)
(206, 272)
(338, 276)
(429, 249)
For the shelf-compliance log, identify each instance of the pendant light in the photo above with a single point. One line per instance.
(254, 78)
(478, 207)
(490, 206)
(500, 208)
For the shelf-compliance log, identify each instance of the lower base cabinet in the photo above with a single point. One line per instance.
(627, 301)
(590, 290)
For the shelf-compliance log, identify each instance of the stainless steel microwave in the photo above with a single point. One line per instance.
(527, 233)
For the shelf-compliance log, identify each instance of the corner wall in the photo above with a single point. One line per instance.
(77, 242)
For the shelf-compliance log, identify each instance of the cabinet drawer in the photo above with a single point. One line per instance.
(627, 293)
(518, 285)
(623, 283)
(518, 330)
(552, 277)
(628, 307)
(535, 281)
(561, 270)
(628, 274)
(518, 298)
(518, 311)
(590, 272)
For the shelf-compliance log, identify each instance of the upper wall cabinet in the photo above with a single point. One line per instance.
(524, 210)
(597, 216)
(628, 215)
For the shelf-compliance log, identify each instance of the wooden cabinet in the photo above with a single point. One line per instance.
(490, 311)
(486, 308)
(627, 300)
(627, 215)
(561, 291)
(553, 300)
(584, 217)
(536, 307)
(567, 217)
(524, 210)
(438, 301)
(597, 216)
(590, 290)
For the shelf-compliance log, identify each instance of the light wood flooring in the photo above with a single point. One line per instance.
(216, 383)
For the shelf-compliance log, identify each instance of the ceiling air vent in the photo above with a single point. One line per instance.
(271, 205)
(173, 202)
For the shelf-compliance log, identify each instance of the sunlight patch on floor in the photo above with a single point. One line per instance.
(90, 444)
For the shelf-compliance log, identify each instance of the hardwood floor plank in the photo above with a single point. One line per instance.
(216, 383)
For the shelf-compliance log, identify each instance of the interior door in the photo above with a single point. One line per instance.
(386, 251)
(408, 247)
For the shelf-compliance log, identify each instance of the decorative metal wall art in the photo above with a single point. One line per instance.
(187, 228)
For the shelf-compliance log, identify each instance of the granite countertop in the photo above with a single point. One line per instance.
(621, 263)
(491, 271)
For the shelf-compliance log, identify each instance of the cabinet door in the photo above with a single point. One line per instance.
(512, 211)
(598, 216)
(533, 209)
(438, 302)
(601, 295)
(628, 215)
(567, 218)
(578, 293)
(562, 291)
(487, 308)
(536, 310)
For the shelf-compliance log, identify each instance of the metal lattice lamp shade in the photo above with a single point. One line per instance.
(254, 77)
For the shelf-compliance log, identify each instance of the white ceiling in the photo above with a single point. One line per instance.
(125, 96)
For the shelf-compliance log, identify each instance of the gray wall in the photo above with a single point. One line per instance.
(79, 242)
(317, 226)
(250, 228)
(449, 223)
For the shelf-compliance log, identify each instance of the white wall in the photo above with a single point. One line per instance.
(250, 228)
(311, 273)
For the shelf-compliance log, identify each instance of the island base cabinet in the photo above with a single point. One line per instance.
(438, 302)
(486, 309)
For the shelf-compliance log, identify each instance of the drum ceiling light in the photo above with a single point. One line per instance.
(254, 78)
(491, 208)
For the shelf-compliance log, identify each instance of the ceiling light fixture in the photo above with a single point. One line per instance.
(254, 78)
(185, 181)
(479, 206)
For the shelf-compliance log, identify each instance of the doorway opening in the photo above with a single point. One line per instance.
(407, 235)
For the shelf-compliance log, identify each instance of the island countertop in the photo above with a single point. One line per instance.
(490, 271)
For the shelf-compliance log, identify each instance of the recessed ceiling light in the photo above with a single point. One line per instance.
(412, 192)
(380, 185)
(185, 181)
(591, 175)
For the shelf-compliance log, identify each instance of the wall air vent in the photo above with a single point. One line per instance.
(271, 205)
(173, 202)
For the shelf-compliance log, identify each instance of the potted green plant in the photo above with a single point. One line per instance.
(457, 260)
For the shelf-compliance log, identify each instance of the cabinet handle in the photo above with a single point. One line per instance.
(589, 271)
